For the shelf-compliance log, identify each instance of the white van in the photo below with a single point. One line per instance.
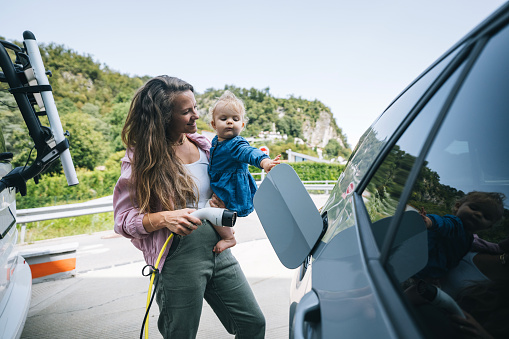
(23, 70)
(15, 275)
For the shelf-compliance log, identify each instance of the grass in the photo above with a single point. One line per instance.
(56, 228)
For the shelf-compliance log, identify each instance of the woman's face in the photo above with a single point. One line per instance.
(185, 114)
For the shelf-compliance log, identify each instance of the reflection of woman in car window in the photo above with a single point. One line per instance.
(450, 236)
(478, 267)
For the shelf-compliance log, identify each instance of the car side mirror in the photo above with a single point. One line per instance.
(288, 215)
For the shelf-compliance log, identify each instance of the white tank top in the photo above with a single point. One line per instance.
(461, 276)
(199, 171)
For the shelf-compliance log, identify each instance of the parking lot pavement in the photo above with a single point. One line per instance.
(108, 300)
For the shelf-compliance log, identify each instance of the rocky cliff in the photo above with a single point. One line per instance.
(319, 132)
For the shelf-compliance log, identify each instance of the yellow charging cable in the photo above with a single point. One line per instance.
(152, 281)
(216, 216)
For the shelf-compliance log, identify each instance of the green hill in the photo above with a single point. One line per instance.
(93, 101)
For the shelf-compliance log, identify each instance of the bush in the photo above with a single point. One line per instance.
(53, 190)
(311, 171)
(314, 171)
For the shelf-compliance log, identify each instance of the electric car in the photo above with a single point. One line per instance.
(15, 275)
(445, 135)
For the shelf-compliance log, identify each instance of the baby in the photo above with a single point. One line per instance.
(450, 237)
(230, 156)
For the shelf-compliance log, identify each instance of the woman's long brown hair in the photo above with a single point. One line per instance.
(158, 179)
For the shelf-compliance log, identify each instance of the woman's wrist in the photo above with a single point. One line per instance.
(150, 222)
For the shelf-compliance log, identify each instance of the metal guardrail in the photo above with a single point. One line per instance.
(319, 185)
(64, 211)
(25, 216)
(104, 205)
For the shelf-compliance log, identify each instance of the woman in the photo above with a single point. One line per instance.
(163, 179)
(480, 286)
(485, 262)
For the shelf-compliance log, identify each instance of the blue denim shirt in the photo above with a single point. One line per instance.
(448, 242)
(229, 176)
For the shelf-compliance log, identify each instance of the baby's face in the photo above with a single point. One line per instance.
(477, 215)
(227, 122)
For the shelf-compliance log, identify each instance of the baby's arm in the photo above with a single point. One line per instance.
(227, 239)
(267, 164)
(241, 151)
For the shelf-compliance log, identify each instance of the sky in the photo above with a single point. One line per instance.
(353, 56)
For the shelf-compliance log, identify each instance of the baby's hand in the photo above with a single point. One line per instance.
(268, 164)
(216, 202)
(427, 220)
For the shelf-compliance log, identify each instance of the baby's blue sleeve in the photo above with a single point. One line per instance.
(449, 226)
(241, 151)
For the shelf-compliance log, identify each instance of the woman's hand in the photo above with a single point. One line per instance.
(414, 296)
(469, 327)
(179, 222)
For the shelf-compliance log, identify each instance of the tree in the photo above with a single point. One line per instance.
(66, 106)
(116, 119)
(332, 149)
(23, 146)
(88, 146)
(290, 126)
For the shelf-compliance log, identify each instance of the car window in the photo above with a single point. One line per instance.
(375, 137)
(390, 120)
(466, 163)
(468, 154)
(470, 150)
(466, 169)
(383, 191)
(370, 144)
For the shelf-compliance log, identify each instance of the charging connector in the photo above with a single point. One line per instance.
(217, 216)
(439, 298)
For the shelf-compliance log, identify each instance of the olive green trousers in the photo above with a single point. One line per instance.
(191, 273)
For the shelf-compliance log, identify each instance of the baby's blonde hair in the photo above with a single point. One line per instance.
(228, 99)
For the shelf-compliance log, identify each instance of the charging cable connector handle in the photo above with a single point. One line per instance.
(49, 103)
(439, 298)
(217, 216)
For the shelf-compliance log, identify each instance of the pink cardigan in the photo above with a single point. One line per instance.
(128, 219)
